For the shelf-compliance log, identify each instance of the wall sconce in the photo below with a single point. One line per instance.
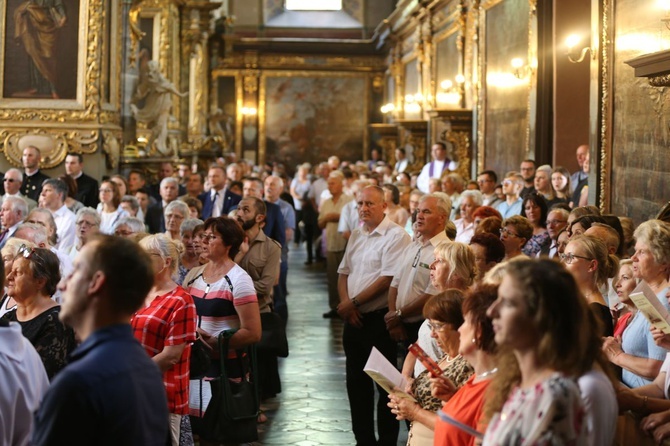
(249, 111)
(413, 103)
(450, 94)
(665, 5)
(521, 69)
(571, 42)
(387, 108)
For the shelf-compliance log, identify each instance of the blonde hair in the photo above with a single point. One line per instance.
(166, 247)
(461, 260)
(596, 249)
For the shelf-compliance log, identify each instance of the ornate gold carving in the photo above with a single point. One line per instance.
(82, 141)
(660, 81)
(272, 61)
(606, 107)
(460, 142)
(251, 81)
(111, 148)
(136, 33)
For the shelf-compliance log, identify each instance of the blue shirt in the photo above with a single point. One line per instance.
(111, 393)
(507, 210)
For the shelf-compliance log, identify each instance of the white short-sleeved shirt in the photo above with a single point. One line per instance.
(413, 277)
(370, 255)
(349, 217)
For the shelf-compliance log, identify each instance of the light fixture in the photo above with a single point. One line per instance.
(388, 108)
(249, 111)
(577, 56)
(449, 93)
(665, 5)
(521, 69)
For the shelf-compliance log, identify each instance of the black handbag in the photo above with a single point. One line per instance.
(273, 338)
(201, 358)
(232, 413)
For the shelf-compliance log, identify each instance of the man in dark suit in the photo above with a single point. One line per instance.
(166, 170)
(32, 177)
(155, 219)
(87, 187)
(274, 220)
(219, 200)
(557, 220)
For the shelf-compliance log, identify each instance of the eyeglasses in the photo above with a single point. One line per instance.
(207, 237)
(174, 217)
(555, 222)
(106, 190)
(85, 224)
(436, 326)
(570, 257)
(10, 180)
(25, 252)
(506, 232)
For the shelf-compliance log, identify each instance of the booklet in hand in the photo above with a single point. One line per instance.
(386, 375)
(651, 307)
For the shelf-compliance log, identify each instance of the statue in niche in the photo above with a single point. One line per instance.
(222, 127)
(157, 93)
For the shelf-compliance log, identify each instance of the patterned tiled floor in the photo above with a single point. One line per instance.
(313, 408)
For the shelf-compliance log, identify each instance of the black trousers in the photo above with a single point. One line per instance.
(358, 343)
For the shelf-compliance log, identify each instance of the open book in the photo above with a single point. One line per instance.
(648, 304)
(386, 375)
(464, 427)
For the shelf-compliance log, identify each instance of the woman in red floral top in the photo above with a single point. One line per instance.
(165, 327)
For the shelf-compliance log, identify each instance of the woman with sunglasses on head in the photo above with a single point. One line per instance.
(444, 316)
(165, 326)
(591, 265)
(9, 252)
(31, 283)
(541, 318)
(225, 299)
(636, 352)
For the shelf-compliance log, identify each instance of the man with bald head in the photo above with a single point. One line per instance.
(581, 174)
(365, 274)
(12, 180)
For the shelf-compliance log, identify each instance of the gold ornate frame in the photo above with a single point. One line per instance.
(79, 125)
(239, 101)
(262, 143)
(602, 69)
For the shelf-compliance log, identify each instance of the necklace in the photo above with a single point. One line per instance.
(487, 373)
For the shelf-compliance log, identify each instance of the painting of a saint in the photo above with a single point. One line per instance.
(41, 49)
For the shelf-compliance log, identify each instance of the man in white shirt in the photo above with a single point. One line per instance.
(401, 160)
(319, 189)
(54, 192)
(329, 218)
(24, 383)
(411, 287)
(12, 181)
(511, 185)
(12, 212)
(370, 261)
(433, 169)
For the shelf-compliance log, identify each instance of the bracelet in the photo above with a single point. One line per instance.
(398, 313)
(355, 302)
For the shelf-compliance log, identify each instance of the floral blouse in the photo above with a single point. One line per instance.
(458, 370)
(550, 413)
(535, 244)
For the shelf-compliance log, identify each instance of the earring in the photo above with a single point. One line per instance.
(474, 341)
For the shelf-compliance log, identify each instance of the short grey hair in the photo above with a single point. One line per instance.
(546, 168)
(59, 185)
(135, 224)
(189, 225)
(50, 218)
(179, 206)
(167, 180)
(656, 235)
(19, 205)
(91, 213)
(39, 233)
(443, 202)
(17, 172)
(474, 194)
(134, 204)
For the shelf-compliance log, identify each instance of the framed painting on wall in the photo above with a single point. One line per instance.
(308, 116)
(34, 72)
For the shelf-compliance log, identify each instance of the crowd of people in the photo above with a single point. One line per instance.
(521, 293)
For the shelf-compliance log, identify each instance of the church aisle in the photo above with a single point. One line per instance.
(312, 408)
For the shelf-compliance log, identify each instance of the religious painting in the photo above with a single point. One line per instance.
(312, 116)
(41, 39)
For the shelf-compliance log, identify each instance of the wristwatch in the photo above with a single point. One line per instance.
(398, 313)
(355, 302)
